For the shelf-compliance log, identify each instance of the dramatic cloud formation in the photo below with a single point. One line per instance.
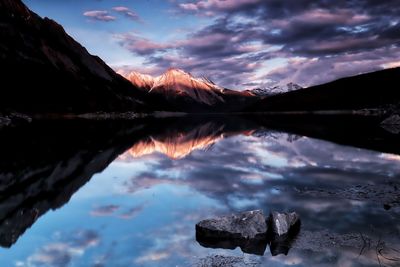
(242, 44)
(254, 42)
(101, 15)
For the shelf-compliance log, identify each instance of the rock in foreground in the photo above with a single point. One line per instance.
(245, 225)
(283, 223)
(251, 231)
(283, 229)
(247, 230)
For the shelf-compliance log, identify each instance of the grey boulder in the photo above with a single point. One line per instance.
(283, 229)
(247, 230)
(246, 225)
(283, 223)
(251, 231)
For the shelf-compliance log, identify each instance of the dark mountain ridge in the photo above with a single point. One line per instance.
(371, 90)
(44, 70)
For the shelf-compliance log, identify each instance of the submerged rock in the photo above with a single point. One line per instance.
(326, 240)
(225, 261)
(247, 230)
(392, 124)
(392, 120)
(283, 223)
(386, 193)
(4, 121)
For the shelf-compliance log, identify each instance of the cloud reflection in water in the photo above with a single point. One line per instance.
(143, 209)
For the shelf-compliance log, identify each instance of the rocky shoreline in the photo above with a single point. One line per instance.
(13, 119)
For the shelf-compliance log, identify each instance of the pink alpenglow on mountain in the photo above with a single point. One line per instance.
(176, 82)
(142, 81)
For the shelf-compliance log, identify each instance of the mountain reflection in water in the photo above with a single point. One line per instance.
(154, 179)
(177, 145)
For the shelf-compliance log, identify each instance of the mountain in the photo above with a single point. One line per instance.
(275, 90)
(371, 90)
(175, 83)
(142, 81)
(44, 70)
(188, 93)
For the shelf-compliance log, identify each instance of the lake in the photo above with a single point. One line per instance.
(129, 193)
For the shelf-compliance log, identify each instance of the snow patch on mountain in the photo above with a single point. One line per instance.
(275, 90)
(141, 80)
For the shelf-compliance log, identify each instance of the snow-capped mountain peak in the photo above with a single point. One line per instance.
(178, 83)
(141, 80)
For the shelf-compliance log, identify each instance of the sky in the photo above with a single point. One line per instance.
(239, 44)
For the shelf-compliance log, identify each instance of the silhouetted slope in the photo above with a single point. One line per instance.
(369, 90)
(44, 70)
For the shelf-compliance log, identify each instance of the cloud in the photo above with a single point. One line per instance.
(220, 54)
(55, 254)
(133, 212)
(154, 256)
(104, 210)
(310, 71)
(127, 12)
(99, 15)
(110, 210)
(241, 43)
(219, 5)
(245, 173)
(141, 46)
(61, 254)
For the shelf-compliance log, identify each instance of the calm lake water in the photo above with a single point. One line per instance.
(76, 194)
